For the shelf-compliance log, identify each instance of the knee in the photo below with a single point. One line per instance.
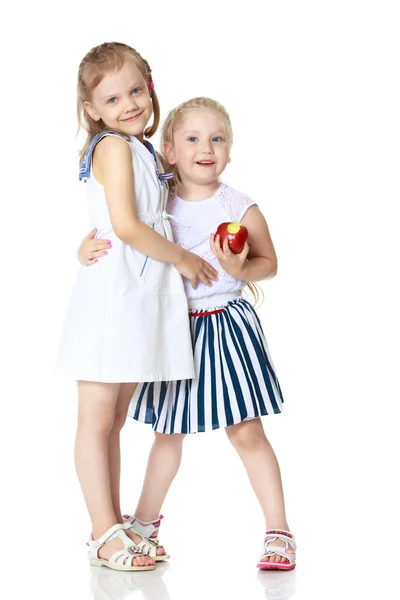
(96, 409)
(247, 436)
(119, 421)
(99, 424)
(167, 439)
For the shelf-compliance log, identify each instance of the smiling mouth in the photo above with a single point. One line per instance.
(205, 163)
(131, 119)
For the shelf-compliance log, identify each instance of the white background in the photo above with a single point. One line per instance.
(312, 88)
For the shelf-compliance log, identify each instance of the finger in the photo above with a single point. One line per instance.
(217, 240)
(210, 268)
(194, 283)
(246, 249)
(218, 253)
(214, 249)
(99, 245)
(212, 242)
(91, 261)
(217, 247)
(205, 279)
(225, 247)
(92, 234)
(211, 272)
(98, 253)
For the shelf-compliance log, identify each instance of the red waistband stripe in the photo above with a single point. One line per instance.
(205, 314)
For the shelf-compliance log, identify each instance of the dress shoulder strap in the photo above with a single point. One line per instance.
(86, 164)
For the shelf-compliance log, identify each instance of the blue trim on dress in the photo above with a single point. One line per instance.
(86, 164)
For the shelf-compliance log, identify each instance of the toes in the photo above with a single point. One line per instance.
(142, 561)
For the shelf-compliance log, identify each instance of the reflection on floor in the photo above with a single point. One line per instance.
(117, 585)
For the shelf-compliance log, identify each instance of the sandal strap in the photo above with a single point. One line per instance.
(289, 551)
(155, 540)
(271, 537)
(143, 528)
(147, 547)
(280, 532)
(128, 554)
(131, 550)
(106, 537)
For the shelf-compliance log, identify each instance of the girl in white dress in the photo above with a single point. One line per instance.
(127, 317)
(235, 382)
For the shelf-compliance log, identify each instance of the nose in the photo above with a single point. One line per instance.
(207, 148)
(131, 104)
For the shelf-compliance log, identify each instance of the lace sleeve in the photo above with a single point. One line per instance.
(235, 203)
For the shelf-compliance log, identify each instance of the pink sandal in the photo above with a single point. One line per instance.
(288, 552)
(146, 529)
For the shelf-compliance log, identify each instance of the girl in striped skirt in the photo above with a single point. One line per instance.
(235, 382)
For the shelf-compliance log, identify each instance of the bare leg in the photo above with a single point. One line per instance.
(163, 465)
(96, 414)
(249, 440)
(114, 453)
(114, 447)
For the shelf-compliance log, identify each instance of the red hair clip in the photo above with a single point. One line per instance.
(151, 85)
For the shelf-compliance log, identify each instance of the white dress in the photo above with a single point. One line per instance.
(127, 319)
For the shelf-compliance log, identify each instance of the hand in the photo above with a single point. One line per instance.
(232, 263)
(92, 248)
(196, 269)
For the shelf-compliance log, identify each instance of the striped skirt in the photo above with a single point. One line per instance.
(234, 375)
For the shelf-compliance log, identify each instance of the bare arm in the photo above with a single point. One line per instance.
(113, 168)
(262, 262)
(113, 164)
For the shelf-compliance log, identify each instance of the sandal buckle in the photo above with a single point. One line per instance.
(135, 550)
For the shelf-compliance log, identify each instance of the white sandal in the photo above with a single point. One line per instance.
(146, 529)
(120, 560)
(288, 552)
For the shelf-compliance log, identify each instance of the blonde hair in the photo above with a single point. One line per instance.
(173, 120)
(97, 63)
(177, 115)
(256, 292)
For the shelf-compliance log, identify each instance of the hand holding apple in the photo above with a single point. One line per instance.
(235, 233)
(231, 249)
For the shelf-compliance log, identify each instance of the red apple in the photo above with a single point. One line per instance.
(235, 233)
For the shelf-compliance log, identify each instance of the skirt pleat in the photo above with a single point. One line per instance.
(234, 381)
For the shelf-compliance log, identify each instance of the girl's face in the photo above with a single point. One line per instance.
(200, 149)
(122, 101)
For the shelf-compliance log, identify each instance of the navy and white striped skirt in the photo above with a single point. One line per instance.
(234, 375)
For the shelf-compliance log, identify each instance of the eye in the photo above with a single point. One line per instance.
(136, 91)
(111, 101)
(192, 139)
(217, 138)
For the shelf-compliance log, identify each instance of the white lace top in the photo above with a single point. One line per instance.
(192, 224)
